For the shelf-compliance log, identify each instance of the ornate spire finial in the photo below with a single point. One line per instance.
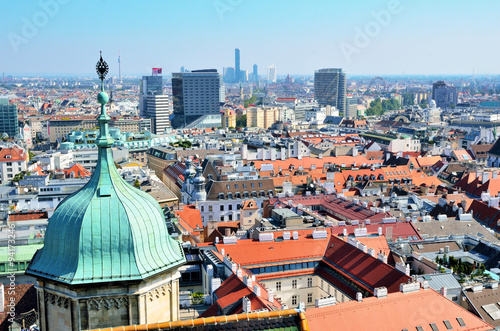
(101, 68)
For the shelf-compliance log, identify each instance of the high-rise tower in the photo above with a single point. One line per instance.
(237, 69)
(119, 68)
(330, 88)
(153, 103)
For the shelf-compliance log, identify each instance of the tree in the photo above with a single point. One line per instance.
(241, 121)
(250, 101)
(408, 99)
(137, 184)
(375, 108)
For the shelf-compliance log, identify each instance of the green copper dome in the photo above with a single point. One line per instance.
(107, 231)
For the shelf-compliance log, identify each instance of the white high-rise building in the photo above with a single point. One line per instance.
(157, 109)
(271, 73)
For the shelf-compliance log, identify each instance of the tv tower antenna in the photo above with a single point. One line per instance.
(119, 68)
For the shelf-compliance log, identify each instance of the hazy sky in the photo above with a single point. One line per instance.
(410, 36)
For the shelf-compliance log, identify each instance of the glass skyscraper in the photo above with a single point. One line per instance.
(237, 69)
(330, 88)
(8, 118)
(195, 94)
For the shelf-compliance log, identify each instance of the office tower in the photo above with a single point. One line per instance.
(271, 73)
(151, 85)
(119, 68)
(8, 118)
(352, 107)
(157, 109)
(243, 76)
(195, 94)
(330, 88)
(444, 95)
(255, 73)
(237, 74)
(153, 104)
(228, 75)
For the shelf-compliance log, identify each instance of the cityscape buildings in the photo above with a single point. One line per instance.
(313, 201)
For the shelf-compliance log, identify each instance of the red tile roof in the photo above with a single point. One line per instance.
(78, 171)
(28, 216)
(175, 173)
(364, 269)
(251, 252)
(398, 229)
(398, 311)
(190, 218)
(12, 154)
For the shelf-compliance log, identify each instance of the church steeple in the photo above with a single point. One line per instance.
(108, 240)
(108, 230)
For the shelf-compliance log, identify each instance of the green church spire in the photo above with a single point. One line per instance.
(108, 230)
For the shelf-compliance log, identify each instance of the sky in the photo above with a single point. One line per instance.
(364, 37)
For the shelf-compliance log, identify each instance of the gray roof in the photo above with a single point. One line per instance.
(438, 281)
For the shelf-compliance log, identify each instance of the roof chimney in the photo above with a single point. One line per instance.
(380, 292)
(256, 290)
(382, 257)
(248, 281)
(359, 297)
(247, 305)
(270, 295)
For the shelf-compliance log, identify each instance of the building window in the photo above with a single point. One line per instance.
(202, 208)
(252, 184)
(260, 184)
(309, 297)
(230, 207)
(309, 282)
(278, 286)
(294, 300)
(236, 186)
(209, 208)
(244, 185)
(222, 218)
(294, 284)
(221, 207)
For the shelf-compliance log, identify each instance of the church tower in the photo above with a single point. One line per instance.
(108, 259)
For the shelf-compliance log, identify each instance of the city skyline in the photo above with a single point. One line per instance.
(365, 38)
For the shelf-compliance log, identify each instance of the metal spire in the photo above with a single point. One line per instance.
(102, 69)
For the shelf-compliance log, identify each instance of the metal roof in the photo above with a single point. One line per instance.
(438, 281)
